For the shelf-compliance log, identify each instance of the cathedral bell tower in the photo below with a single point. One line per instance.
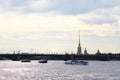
(79, 52)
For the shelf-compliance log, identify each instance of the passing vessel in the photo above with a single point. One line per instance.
(77, 62)
(25, 60)
(42, 61)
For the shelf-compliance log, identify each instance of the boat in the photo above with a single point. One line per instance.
(42, 61)
(25, 60)
(77, 62)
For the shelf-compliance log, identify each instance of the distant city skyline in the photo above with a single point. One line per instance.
(53, 25)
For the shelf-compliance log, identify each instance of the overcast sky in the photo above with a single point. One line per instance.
(53, 25)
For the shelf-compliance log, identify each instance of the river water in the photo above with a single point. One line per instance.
(57, 70)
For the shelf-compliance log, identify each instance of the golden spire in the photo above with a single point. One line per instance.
(79, 37)
(79, 46)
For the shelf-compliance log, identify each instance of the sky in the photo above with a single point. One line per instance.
(53, 25)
